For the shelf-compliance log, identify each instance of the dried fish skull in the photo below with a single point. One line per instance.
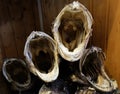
(92, 69)
(16, 72)
(41, 56)
(71, 30)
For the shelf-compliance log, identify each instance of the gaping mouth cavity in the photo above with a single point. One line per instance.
(92, 67)
(94, 71)
(17, 72)
(71, 29)
(42, 51)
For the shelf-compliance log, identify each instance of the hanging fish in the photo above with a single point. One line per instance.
(17, 74)
(92, 70)
(71, 30)
(41, 56)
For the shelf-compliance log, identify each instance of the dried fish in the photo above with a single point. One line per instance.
(16, 72)
(41, 56)
(96, 74)
(71, 30)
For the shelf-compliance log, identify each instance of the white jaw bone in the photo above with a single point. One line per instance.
(40, 50)
(71, 30)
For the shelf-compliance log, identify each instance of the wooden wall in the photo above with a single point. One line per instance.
(113, 40)
(19, 17)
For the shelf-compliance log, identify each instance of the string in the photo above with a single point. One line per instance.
(40, 15)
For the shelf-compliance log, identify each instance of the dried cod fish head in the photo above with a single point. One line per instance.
(16, 72)
(92, 69)
(71, 30)
(41, 56)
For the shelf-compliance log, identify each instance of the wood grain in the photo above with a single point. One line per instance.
(113, 45)
(99, 33)
(6, 32)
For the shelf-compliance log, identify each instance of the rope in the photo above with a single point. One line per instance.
(40, 15)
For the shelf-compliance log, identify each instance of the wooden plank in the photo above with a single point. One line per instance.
(28, 17)
(3, 13)
(23, 22)
(16, 11)
(3, 19)
(8, 40)
(1, 47)
(7, 33)
(20, 36)
(4, 28)
(99, 28)
(113, 45)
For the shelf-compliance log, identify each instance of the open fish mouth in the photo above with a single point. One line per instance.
(92, 70)
(71, 30)
(41, 55)
(16, 72)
